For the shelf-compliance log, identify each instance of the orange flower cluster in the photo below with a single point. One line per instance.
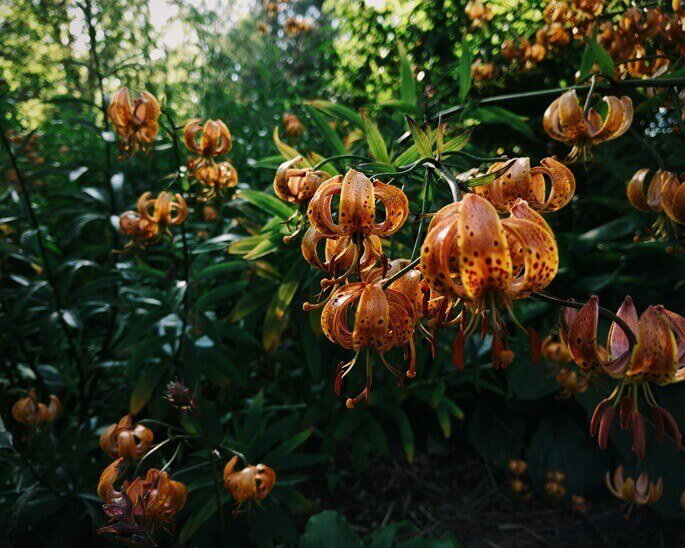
(125, 440)
(294, 26)
(28, 410)
(207, 142)
(478, 12)
(153, 219)
(634, 492)
(136, 124)
(518, 483)
(665, 195)
(566, 121)
(657, 357)
(483, 72)
(555, 484)
(251, 483)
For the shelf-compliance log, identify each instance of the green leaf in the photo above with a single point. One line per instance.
(327, 132)
(606, 64)
(499, 115)
(373, 136)
(489, 177)
(248, 303)
(221, 269)
(402, 106)
(215, 296)
(587, 61)
(422, 141)
(407, 82)
(464, 69)
(145, 386)
(267, 203)
(275, 320)
(337, 110)
(406, 433)
(197, 518)
(286, 150)
(457, 143)
(329, 529)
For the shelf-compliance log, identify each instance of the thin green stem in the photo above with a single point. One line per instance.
(401, 272)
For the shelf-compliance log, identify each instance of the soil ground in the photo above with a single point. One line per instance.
(461, 495)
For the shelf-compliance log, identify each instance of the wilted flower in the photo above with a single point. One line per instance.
(470, 254)
(178, 395)
(125, 440)
(31, 412)
(520, 181)
(292, 125)
(160, 496)
(565, 121)
(634, 492)
(658, 356)
(137, 124)
(383, 319)
(251, 483)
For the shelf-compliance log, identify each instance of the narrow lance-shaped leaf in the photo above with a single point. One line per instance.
(375, 140)
(465, 70)
(327, 132)
(423, 144)
(408, 84)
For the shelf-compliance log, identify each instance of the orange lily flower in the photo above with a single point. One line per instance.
(483, 72)
(565, 121)
(163, 210)
(215, 178)
(296, 185)
(141, 231)
(339, 256)
(252, 483)
(125, 440)
(163, 497)
(519, 181)
(357, 208)
(29, 411)
(208, 141)
(646, 68)
(383, 319)
(136, 124)
(470, 254)
(658, 356)
(634, 492)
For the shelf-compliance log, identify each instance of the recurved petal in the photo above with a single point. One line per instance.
(396, 208)
(514, 183)
(617, 341)
(673, 197)
(654, 190)
(120, 109)
(562, 186)
(571, 120)
(319, 211)
(655, 356)
(582, 337)
(550, 121)
(310, 242)
(372, 319)
(612, 123)
(540, 253)
(356, 214)
(190, 131)
(334, 315)
(225, 141)
(484, 261)
(635, 190)
(109, 475)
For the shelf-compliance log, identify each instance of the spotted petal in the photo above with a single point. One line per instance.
(396, 208)
(655, 356)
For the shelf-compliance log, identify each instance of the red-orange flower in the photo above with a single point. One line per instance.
(520, 181)
(383, 319)
(136, 124)
(565, 121)
(640, 491)
(658, 356)
(215, 178)
(251, 483)
(209, 140)
(28, 410)
(292, 125)
(125, 440)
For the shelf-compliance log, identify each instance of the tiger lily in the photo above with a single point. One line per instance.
(665, 195)
(292, 125)
(294, 184)
(520, 181)
(137, 124)
(209, 140)
(657, 357)
(28, 410)
(565, 121)
(162, 497)
(125, 440)
(163, 210)
(633, 492)
(472, 255)
(383, 319)
(141, 231)
(250, 483)
(340, 256)
(215, 178)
